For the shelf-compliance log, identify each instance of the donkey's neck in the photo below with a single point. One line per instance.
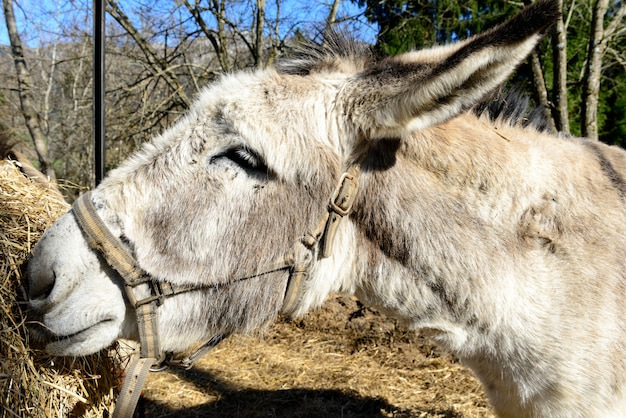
(436, 232)
(437, 246)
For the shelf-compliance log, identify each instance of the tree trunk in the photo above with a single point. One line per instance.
(275, 38)
(559, 45)
(26, 98)
(260, 20)
(332, 15)
(559, 79)
(593, 71)
(220, 16)
(541, 89)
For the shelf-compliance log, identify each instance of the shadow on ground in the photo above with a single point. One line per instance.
(289, 403)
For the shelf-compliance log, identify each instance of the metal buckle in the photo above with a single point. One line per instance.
(162, 362)
(342, 199)
(188, 362)
(156, 292)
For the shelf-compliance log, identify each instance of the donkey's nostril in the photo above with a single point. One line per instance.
(40, 286)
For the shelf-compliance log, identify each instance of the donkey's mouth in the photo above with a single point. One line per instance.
(87, 341)
(83, 342)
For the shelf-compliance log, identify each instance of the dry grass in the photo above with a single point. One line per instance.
(33, 384)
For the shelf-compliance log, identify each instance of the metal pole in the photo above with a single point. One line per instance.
(98, 86)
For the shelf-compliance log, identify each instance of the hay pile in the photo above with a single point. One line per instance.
(33, 384)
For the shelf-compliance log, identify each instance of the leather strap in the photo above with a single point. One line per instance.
(136, 374)
(320, 241)
(100, 238)
(293, 291)
(339, 206)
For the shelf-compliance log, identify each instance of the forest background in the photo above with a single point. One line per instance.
(160, 53)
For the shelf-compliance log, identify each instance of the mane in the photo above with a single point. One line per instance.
(336, 51)
(511, 106)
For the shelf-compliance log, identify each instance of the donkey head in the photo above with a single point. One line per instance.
(234, 185)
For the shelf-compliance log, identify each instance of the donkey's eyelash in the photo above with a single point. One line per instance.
(243, 157)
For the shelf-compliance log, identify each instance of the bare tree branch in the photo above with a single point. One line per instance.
(218, 42)
(332, 15)
(157, 65)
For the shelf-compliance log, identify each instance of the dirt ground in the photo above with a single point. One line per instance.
(342, 360)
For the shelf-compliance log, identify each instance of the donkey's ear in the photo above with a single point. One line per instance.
(417, 90)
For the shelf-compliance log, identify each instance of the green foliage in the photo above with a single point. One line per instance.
(405, 25)
(409, 24)
(612, 109)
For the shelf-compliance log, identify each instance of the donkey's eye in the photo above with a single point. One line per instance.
(243, 157)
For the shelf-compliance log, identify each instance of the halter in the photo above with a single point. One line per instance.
(313, 245)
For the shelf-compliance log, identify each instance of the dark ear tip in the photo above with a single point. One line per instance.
(541, 15)
(537, 18)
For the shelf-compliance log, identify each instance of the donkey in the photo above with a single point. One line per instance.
(504, 243)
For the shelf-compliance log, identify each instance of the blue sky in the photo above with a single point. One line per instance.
(38, 20)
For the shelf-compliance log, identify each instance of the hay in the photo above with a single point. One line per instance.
(33, 384)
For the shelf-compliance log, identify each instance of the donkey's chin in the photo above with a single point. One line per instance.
(86, 341)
